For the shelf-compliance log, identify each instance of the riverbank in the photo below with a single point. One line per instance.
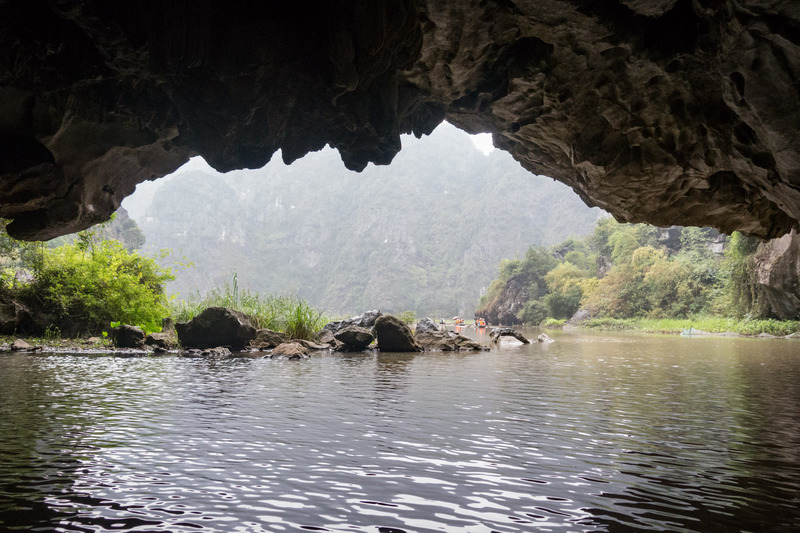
(697, 325)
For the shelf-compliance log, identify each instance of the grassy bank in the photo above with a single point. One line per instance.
(708, 324)
(287, 314)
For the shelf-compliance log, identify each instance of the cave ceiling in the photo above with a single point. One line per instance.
(661, 111)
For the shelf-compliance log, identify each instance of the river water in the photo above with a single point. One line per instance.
(593, 432)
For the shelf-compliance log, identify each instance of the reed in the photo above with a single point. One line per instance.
(289, 314)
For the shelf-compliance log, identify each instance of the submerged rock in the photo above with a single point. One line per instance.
(394, 335)
(290, 350)
(216, 326)
(447, 341)
(218, 352)
(496, 333)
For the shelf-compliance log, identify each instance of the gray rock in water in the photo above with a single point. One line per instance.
(496, 333)
(354, 338)
(218, 352)
(290, 350)
(544, 338)
(447, 341)
(127, 336)
(20, 345)
(216, 326)
(426, 325)
(394, 335)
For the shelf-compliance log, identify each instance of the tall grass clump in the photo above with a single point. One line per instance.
(288, 314)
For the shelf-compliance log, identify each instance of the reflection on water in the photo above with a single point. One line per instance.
(590, 433)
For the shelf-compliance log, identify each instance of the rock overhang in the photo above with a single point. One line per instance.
(668, 112)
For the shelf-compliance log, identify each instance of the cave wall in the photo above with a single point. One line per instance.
(660, 111)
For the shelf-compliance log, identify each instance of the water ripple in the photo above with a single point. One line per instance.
(596, 434)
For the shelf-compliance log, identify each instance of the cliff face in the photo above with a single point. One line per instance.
(666, 111)
(777, 265)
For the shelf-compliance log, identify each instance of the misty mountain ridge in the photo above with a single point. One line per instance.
(424, 234)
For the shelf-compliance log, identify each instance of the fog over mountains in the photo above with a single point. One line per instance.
(424, 234)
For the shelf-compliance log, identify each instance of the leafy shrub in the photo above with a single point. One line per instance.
(533, 312)
(93, 285)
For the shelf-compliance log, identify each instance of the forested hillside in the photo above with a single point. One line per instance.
(623, 271)
(424, 234)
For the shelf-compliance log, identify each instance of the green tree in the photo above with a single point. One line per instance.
(533, 312)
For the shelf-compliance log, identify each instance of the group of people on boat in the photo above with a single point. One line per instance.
(459, 322)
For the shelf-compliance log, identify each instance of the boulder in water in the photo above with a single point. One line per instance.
(354, 338)
(496, 333)
(394, 335)
(127, 336)
(216, 326)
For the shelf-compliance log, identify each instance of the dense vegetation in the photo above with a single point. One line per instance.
(81, 285)
(422, 235)
(622, 273)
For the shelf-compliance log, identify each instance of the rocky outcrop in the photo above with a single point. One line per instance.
(505, 308)
(394, 335)
(15, 318)
(665, 111)
(777, 269)
(216, 326)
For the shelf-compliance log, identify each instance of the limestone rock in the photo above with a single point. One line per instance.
(777, 265)
(354, 338)
(290, 350)
(216, 326)
(496, 333)
(364, 320)
(660, 111)
(446, 341)
(127, 336)
(394, 335)
(14, 318)
(425, 325)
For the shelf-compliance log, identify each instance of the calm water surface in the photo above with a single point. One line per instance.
(590, 433)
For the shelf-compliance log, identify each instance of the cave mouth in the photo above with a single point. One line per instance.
(658, 112)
